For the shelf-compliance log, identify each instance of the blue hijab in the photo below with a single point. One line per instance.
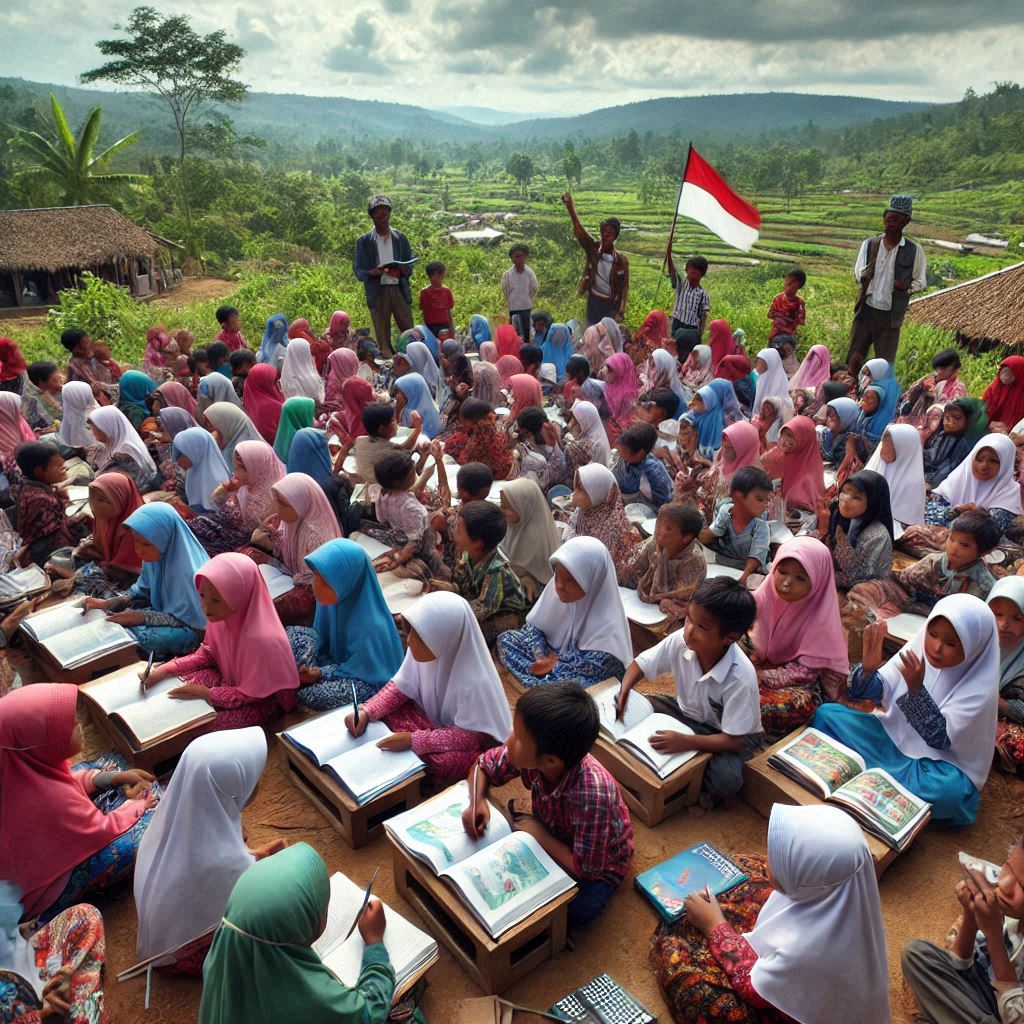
(873, 426)
(710, 423)
(479, 329)
(169, 582)
(727, 398)
(883, 380)
(357, 634)
(309, 454)
(557, 348)
(430, 340)
(208, 469)
(274, 334)
(417, 396)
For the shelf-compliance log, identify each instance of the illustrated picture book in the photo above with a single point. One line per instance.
(74, 639)
(668, 884)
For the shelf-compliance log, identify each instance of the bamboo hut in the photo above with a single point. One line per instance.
(983, 313)
(45, 250)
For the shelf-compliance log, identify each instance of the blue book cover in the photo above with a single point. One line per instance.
(668, 884)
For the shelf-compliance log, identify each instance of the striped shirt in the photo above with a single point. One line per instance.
(691, 303)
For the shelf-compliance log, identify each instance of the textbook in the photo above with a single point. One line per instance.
(356, 762)
(602, 1001)
(502, 878)
(277, 579)
(19, 584)
(74, 639)
(397, 263)
(838, 774)
(668, 884)
(146, 717)
(639, 722)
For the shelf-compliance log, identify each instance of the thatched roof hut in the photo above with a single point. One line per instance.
(42, 251)
(984, 312)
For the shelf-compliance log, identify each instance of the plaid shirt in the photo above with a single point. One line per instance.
(691, 303)
(584, 810)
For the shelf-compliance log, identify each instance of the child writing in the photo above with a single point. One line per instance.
(739, 534)
(787, 312)
(641, 477)
(716, 686)
(578, 815)
(437, 301)
(519, 286)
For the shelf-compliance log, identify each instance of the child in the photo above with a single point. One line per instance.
(532, 537)
(858, 529)
(196, 452)
(641, 477)
(13, 428)
(692, 303)
(369, 368)
(941, 387)
(578, 815)
(247, 495)
(241, 362)
(1004, 397)
(353, 640)
(622, 385)
(740, 447)
(799, 647)
(1006, 599)
(525, 393)
(538, 456)
(484, 441)
(588, 441)
(82, 366)
(785, 345)
(445, 702)
(299, 377)
(963, 422)
(787, 312)
(199, 364)
(739, 534)
(772, 955)
(41, 400)
(934, 726)
(668, 567)
(577, 629)
(230, 332)
(219, 356)
(380, 424)
(82, 849)
(121, 449)
(436, 301)
(696, 368)
(797, 460)
(599, 513)
(78, 403)
(716, 686)
(411, 397)
(841, 415)
(135, 396)
(101, 353)
(262, 400)
(519, 286)
(658, 405)
(898, 460)
(41, 518)
(296, 413)
(276, 336)
(775, 412)
(115, 564)
(473, 482)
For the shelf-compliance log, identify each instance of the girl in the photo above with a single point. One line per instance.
(507, 340)
(580, 386)
(775, 412)
(934, 727)
(877, 375)
(299, 378)
(538, 456)
(689, 465)
(353, 640)
(338, 333)
(622, 385)
(1006, 599)
(484, 441)
(841, 415)
(13, 428)
(731, 412)
(771, 377)
(296, 413)
(161, 613)
(173, 395)
(158, 349)
(697, 368)
(196, 452)
(740, 447)
(256, 469)
(722, 342)
(815, 369)
(418, 356)
(480, 329)
(486, 383)
(262, 969)
(532, 538)
(115, 564)
(342, 365)
(589, 442)
(737, 371)
(488, 351)
(797, 460)
(706, 413)
(664, 373)
(577, 629)
(121, 449)
(412, 395)
(356, 395)
(1004, 397)
(557, 349)
(767, 953)
(230, 427)
(275, 341)
(262, 400)
(595, 348)
(181, 886)
(300, 328)
(311, 456)
(653, 331)
(939, 387)
(858, 529)
(445, 702)
(898, 459)
(949, 444)
(78, 402)
(215, 387)
(55, 842)
(599, 512)
(525, 393)
(611, 334)
(799, 647)
(985, 480)
(244, 666)
(13, 368)
(508, 367)
(133, 397)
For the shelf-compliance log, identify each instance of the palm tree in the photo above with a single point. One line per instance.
(69, 161)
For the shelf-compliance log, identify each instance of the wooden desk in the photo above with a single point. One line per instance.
(53, 673)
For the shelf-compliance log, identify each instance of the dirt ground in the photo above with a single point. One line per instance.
(196, 289)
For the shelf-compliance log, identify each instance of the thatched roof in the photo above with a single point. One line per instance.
(69, 237)
(989, 308)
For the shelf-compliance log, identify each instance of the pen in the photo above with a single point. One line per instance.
(472, 797)
(149, 668)
(355, 708)
(366, 900)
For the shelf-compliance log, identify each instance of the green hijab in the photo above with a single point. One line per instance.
(261, 969)
(296, 413)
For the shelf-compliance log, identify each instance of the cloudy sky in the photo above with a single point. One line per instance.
(564, 56)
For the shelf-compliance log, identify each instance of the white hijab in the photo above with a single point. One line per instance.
(666, 363)
(591, 427)
(1011, 665)
(122, 438)
(78, 401)
(597, 621)
(967, 694)
(819, 938)
(193, 852)
(905, 476)
(461, 686)
(418, 356)
(215, 387)
(772, 382)
(962, 487)
(299, 378)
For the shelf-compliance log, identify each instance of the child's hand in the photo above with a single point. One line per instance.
(823, 518)
(415, 419)
(985, 906)
(396, 741)
(621, 700)
(274, 846)
(873, 650)
(95, 602)
(372, 923)
(912, 670)
(128, 618)
(544, 664)
(549, 434)
(436, 449)
(966, 507)
(668, 741)
(309, 674)
(231, 485)
(350, 723)
(57, 999)
(190, 691)
(965, 898)
(476, 826)
(132, 777)
(703, 911)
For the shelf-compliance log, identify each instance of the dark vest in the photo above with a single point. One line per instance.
(903, 272)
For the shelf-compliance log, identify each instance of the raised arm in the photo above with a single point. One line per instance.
(582, 236)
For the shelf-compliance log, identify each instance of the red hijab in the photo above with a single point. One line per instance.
(12, 362)
(111, 536)
(300, 329)
(721, 341)
(654, 329)
(525, 392)
(508, 367)
(509, 343)
(802, 471)
(733, 368)
(262, 400)
(356, 395)
(1005, 402)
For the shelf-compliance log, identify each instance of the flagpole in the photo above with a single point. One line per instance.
(672, 230)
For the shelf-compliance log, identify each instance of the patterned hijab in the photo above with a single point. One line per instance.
(606, 519)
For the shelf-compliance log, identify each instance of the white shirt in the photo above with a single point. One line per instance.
(602, 286)
(519, 289)
(879, 293)
(725, 697)
(385, 254)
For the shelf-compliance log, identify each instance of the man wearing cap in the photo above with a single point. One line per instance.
(889, 267)
(383, 263)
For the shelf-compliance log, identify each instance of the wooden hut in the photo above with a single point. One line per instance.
(43, 251)
(983, 313)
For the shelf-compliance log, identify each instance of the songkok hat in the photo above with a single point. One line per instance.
(376, 201)
(901, 204)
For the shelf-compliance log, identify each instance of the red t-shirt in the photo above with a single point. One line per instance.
(435, 304)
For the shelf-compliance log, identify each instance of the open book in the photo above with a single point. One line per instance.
(279, 581)
(357, 763)
(640, 611)
(74, 639)
(398, 263)
(639, 722)
(503, 877)
(668, 884)
(836, 773)
(905, 626)
(19, 584)
(146, 717)
(78, 500)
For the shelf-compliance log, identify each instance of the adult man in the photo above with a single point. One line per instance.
(605, 280)
(889, 267)
(383, 262)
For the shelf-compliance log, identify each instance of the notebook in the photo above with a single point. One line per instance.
(639, 611)
(74, 639)
(668, 884)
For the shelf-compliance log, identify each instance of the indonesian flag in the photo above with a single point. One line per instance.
(707, 199)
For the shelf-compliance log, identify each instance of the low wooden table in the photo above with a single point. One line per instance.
(359, 824)
(493, 964)
(53, 673)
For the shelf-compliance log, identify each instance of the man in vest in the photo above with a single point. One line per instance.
(605, 280)
(889, 267)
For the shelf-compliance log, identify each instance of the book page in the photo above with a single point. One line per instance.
(22, 581)
(638, 707)
(823, 761)
(157, 715)
(905, 626)
(117, 690)
(277, 582)
(372, 547)
(42, 625)
(878, 796)
(638, 739)
(88, 641)
(326, 736)
(640, 611)
(367, 770)
(669, 883)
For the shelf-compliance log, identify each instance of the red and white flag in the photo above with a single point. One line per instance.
(706, 198)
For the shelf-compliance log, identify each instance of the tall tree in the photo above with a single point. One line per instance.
(521, 167)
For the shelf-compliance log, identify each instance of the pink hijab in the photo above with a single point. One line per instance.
(356, 395)
(814, 370)
(809, 630)
(525, 392)
(264, 468)
(342, 363)
(596, 347)
(508, 367)
(746, 442)
(157, 340)
(177, 396)
(721, 341)
(262, 399)
(488, 352)
(622, 386)
(13, 428)
(802, 470)
(316, 525)
(338, 333)
(250, 646)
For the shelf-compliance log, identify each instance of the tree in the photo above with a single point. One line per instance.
(571, 166)
(71, 161)
(522, 168)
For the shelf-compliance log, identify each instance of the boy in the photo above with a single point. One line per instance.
(219, 356)
(368, 354)
(41, 403)
(531, 357)
(473, 482)
(519, 286)
(436, 301)
(787, 311)
(381, 424)
(241, 362)
(739, 536)
(640, 475)
(692, 305)
(656, 406)
(785, 345)
(578, 815)
(230, 328)
(82, 365)
(716, 686)
(42, 522)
